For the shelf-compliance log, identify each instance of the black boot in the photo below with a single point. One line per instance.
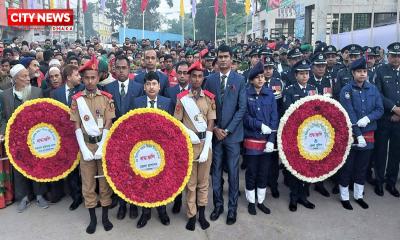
(177, 204)
(93, 221)
(202, 218)
(251, 208)
(263, 208)
(191, 224)
(347, 205)
(106, 222)
(362, 204)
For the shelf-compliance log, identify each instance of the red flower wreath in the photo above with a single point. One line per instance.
(29, 116)
(290, 148)
(132, 129)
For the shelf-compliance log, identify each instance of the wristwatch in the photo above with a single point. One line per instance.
(227, 131)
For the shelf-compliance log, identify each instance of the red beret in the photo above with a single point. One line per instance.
(196, 66)
(92, 64)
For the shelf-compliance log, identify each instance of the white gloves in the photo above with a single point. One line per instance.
(193, 137)
(363, 122)
(361, 142)
(207, 146)
(99, 152)
(269, 147)
(86, 153)
(265, 129)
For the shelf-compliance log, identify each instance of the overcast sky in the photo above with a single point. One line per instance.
(174, 12)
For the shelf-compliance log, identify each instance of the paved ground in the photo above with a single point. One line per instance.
(328, 221)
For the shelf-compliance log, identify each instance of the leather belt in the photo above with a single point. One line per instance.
(92, 140)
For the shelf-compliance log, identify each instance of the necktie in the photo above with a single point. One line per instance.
(152, 103)
(182, 90)
(223, 78)
(70, 93)
(123, 90)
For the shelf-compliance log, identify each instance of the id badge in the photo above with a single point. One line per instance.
(100, 122)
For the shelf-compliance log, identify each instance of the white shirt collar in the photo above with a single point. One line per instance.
(185, 88)
(227, 74)
(317, 79)
(155, 102)
(126, 83)
(301, 87)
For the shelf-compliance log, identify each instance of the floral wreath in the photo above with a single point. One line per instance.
(147, 158)
(40, 141)
(314, 138)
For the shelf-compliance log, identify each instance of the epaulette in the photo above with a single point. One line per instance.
(209, 94)
(77, 95)
(182, 94)
(109, 95)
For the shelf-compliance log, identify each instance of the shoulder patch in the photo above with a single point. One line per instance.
(182, 94)
(77, 95)
(209, 94)
(109, 95)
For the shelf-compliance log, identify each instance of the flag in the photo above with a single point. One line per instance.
(124, 7)
(84, 6)
(52, 4)
(247, 7)
(224, 7)
(143, 6)
(194, 10)
(216, 5)
(103, 5)
(182, 9)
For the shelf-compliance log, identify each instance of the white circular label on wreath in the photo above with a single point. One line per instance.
(315, 138)
(43, 140)
(147, 159)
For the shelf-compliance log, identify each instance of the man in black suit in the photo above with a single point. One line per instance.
(64, 94)
(124, 91)
(152, 99)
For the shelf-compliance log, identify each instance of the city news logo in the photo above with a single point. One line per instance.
(57, 19)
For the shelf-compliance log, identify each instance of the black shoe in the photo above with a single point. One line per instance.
(191, 224)
(347, 205)
(143, 220)
(231, 218)
(275, 192)
(93, 221)
(251, 208)
(306, 203)
(392, 190)
(215, 213)
(121, 212)
(75, 204)
(263, 208)
(335, 189)
(164, 219)
(293, 206)
(133, 211)
(379, 190)
(177, 205)
(322, 190)
(363, 204)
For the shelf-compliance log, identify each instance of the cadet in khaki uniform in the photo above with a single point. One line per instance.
(92, 111)
(196, 109)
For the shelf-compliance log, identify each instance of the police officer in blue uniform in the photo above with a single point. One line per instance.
(260, 119)
(344, 76)
(267, 53)
(319, 77)
(294, 56)
(363, 103)
(333, 66)
(277, 86)
(292, 93)
(387, 80)
(254, 59)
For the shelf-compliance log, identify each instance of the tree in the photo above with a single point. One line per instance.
(88, 15)
(152, 18)
(112, 13)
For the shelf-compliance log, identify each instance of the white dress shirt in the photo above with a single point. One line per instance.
(126, 84)
(148, 102)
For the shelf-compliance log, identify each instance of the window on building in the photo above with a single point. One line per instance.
(362, 21)
(335, 23)
(345, 22)
(382, 19)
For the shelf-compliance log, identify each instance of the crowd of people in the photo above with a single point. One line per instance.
(240, 93)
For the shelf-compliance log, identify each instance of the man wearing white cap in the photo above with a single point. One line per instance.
(12, 98)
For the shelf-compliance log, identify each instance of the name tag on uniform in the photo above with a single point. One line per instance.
(100, 122)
